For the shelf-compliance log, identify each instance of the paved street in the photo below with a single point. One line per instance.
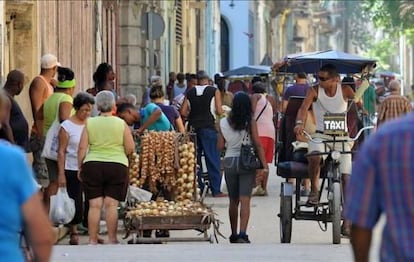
(309, 243)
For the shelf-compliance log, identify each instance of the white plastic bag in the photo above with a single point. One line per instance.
(50, 149)
(139, 194)
(62, 207)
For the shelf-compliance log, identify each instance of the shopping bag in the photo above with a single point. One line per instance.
(50, 149)
(223, 186)
(62, 207)
(138, 194)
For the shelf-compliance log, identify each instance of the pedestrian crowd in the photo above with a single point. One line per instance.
(91, 135)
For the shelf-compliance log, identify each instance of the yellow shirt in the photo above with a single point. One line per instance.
(106, 140)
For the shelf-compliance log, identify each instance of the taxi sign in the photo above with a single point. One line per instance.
(334, 124)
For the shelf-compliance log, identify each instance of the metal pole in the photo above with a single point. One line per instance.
(151, 43)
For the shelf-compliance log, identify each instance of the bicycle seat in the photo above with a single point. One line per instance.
(292, 169)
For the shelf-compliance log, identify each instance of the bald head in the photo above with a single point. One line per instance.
(394, 86)
(14, 82)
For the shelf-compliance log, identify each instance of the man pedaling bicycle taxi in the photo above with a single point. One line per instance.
(329, 102)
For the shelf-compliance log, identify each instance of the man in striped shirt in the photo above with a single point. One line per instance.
(393, 105)
(382, 182)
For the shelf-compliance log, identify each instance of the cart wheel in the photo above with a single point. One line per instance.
(211, 240)
(336, 212)
(285, 219)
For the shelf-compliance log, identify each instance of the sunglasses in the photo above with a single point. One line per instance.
(323, 78)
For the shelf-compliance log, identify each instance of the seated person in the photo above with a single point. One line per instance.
(329, 97)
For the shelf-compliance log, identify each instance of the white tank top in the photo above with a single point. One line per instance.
(234, 138)
(74, 132)
(324, 104)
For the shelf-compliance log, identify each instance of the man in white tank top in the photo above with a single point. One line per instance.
(330, 96)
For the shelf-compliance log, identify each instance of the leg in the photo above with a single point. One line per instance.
(94, 216)
(244, 212)
(208, 139)
(314, 169)
(53, 183)
(233, 215)
(111, 208)
(199, 162)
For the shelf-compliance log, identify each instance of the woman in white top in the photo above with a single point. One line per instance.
(69, 137)
(239, 182)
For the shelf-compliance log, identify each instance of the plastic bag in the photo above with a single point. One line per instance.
(138, 194)
(62, 207)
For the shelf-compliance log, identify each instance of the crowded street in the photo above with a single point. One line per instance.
(206, 130)
(308, 241)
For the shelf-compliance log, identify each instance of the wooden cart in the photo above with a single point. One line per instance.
(200, 223)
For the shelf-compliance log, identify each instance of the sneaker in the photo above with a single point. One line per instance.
(258, 191)
(233, 238)
(243, 239)
(261, 192)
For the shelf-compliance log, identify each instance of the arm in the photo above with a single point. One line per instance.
(65, 109)
(259, 148)
(155, 115)
(36, 91)
(254, 98)
(303, 110)
(217, 100)
(6, 120)
(361, 241)
(63, 144)
(284, 106)
(129, 144)
(221, 142)
(36, 220)
(40, 120)
(83, 147)
(184, 108)
(180, 125)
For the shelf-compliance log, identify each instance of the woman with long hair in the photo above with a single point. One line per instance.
(232, 132)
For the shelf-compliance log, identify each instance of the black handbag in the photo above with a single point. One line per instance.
(249, 159)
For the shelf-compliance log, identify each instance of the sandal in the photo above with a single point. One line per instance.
(74, 239)
(313, 199)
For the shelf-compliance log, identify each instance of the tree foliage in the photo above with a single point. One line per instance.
(393, 16)
(382, 51)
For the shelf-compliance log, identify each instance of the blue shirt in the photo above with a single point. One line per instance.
(295, 90)
(382, 181)
(17, 186)
(162, 124)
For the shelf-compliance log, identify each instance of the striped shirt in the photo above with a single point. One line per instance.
(382, 181)
(392, 107)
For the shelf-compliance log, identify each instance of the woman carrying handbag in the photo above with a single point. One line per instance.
(239, 126)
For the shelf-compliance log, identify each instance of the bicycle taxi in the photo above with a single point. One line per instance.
(292, 164)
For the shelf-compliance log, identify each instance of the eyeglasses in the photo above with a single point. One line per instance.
(323, 78)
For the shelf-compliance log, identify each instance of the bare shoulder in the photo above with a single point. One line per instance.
(37, 84)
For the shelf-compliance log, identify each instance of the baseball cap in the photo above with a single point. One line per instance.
(48, 61)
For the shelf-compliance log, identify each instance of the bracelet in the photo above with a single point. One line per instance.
(299, 122)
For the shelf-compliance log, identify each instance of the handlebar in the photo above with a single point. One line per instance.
(342, 140)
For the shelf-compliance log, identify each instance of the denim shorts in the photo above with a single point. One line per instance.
(239, 182)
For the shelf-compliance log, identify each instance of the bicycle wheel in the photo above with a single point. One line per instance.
(335, 212)
(285, 219)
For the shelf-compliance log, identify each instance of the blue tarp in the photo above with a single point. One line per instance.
(312, 61)
(249, 70)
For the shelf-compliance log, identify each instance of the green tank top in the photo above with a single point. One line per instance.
(106, 140)
(50, 108)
